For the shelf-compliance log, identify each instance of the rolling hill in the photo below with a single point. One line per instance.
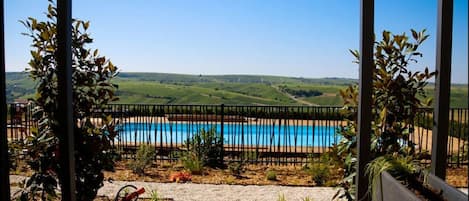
(163, 88)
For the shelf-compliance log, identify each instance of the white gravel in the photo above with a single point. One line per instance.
(209, 192)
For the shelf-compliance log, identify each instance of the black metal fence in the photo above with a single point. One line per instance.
(258, 134)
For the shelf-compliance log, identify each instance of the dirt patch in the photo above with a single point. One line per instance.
(457, 177)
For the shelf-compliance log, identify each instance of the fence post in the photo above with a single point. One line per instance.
(222, 125)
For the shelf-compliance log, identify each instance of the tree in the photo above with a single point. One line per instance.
(92, 89)
(397, 94)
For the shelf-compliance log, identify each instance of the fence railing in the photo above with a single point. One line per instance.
(258, 134)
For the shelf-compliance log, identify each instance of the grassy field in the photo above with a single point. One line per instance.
(161, 88)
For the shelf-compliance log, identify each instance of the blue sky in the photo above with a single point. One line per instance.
(302, 38)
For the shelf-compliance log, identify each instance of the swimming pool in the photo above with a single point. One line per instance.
(233, 134)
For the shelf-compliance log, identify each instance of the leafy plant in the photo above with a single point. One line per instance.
(192, 162)
(236, 168)
(320, 169)
(92, 76)
(143, 159)
(397, 95)
(205, 149)
(320, 173)
(271, 175)
(400, 167)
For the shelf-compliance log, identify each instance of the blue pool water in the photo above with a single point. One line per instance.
(234, 134)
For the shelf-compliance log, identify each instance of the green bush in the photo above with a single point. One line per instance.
(398, 94)
(320, 174)
(205, 147)
(144, 157)
(320, 169)
(271, 175)
(192, 163)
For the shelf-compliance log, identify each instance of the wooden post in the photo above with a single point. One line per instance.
(442, 87)
(365, 101)
(65, 107)
(4, 162)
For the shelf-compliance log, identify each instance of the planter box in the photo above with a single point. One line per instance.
(389, 189)
(449, 193)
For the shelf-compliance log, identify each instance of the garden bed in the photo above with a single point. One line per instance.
(253, 175)
(256, 175)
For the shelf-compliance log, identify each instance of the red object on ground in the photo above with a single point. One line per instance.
(180, 177)
(134, 194)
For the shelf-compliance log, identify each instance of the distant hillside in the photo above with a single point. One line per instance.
(18, 85)
(162, 88)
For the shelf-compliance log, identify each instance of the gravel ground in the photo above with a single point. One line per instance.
(211, 192)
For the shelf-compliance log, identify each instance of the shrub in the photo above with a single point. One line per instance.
(205, 148)
(192, 163)
(92, 76)
(396, 99)
(320, 169)
(320, 173)
(236, 168)
(271, 175)
(144, 157)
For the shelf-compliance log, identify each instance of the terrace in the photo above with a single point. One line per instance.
(306, 130)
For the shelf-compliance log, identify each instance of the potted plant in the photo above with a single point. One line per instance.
(402, 178)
